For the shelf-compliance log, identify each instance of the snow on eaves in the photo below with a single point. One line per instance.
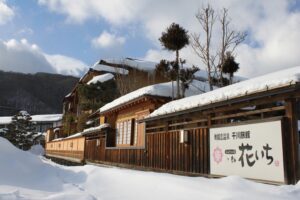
(106, 68)
(161, 89)
(68, 95)
(259, 84)
(134, 63)
(86, 131)
(101, 78)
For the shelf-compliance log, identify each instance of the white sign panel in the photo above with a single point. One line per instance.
(251, 151)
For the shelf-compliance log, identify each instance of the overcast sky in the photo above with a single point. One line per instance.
(68, 36)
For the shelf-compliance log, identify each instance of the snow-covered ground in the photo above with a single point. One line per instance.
(37, 150)
(26, 176)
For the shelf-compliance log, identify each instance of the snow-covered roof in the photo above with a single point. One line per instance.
(259, 84)
(106, 68)
(56, 129)
(35, 118)
(133, 63)
(203, 76)
(5, 120)
(89, 130)
(68, 95)
(161, 89)
(3, 130)
(35, 136)
(57, 139)
(101, 78)
(46, 118)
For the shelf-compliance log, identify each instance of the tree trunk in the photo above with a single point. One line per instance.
(178, 74)
(172, 89)
(222, 56)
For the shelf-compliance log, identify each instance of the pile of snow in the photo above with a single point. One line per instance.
(161, 89)
(263, 83)
(26, 176)
(105, 68)
(37, 150)
(101, 78)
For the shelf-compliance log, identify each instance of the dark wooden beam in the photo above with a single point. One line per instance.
(293, 140)
(252, 112)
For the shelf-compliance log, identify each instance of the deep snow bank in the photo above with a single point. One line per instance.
(23, 171)
(37, 150)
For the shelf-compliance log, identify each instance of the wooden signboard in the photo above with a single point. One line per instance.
(251, 151)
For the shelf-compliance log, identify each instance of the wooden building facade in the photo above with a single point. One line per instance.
(128, 77)
(125, 132)
(181, 139)
(180, 142)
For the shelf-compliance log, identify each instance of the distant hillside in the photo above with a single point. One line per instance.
(38, 93)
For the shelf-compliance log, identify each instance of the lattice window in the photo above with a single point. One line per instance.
(124, 132)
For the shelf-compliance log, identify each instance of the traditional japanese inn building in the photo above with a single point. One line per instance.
(248, 129)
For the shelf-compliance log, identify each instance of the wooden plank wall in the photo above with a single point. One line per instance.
(72, 148)
(79, 155)
(162, 152)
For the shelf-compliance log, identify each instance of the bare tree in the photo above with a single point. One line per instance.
(230, 40)
(206, 17)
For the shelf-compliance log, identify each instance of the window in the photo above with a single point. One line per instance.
(124, 131)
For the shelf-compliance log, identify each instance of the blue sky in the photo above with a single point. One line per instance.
(55, 36)
(68, 36)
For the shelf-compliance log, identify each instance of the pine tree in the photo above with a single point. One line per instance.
(21, 130)
(95, 95)
(174, 39)
(164, 68)
(92, 97)
(186, 77)
(230, 66)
